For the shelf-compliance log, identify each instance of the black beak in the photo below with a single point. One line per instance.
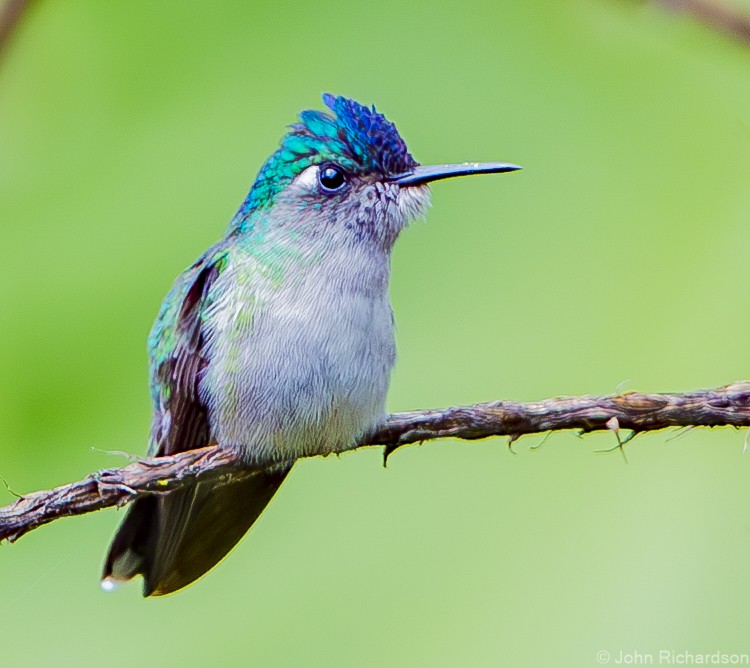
(426, 173)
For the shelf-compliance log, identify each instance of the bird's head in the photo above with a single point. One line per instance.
(349, 170)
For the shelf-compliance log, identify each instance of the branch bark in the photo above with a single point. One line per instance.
(632, 411)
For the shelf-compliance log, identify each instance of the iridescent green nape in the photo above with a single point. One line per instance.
(356, 137)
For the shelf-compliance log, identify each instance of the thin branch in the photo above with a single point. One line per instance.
(636, 412)
(11, 13)
(715, 14)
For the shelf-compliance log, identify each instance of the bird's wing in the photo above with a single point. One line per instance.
(177, 360)
(174, 539)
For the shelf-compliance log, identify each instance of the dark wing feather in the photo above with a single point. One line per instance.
(183, 417)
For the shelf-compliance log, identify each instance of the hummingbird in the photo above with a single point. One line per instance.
(278, 342)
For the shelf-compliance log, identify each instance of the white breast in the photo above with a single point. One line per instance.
(299, 364)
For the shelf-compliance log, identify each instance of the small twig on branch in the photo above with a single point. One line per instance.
(636, 412)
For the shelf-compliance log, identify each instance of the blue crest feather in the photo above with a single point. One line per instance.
(371, 136)
(356, 137)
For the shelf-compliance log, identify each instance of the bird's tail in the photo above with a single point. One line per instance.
(173, 539)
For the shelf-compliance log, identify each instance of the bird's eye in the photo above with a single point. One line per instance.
(331, 178)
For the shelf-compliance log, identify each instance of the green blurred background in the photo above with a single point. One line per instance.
(618, 259)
